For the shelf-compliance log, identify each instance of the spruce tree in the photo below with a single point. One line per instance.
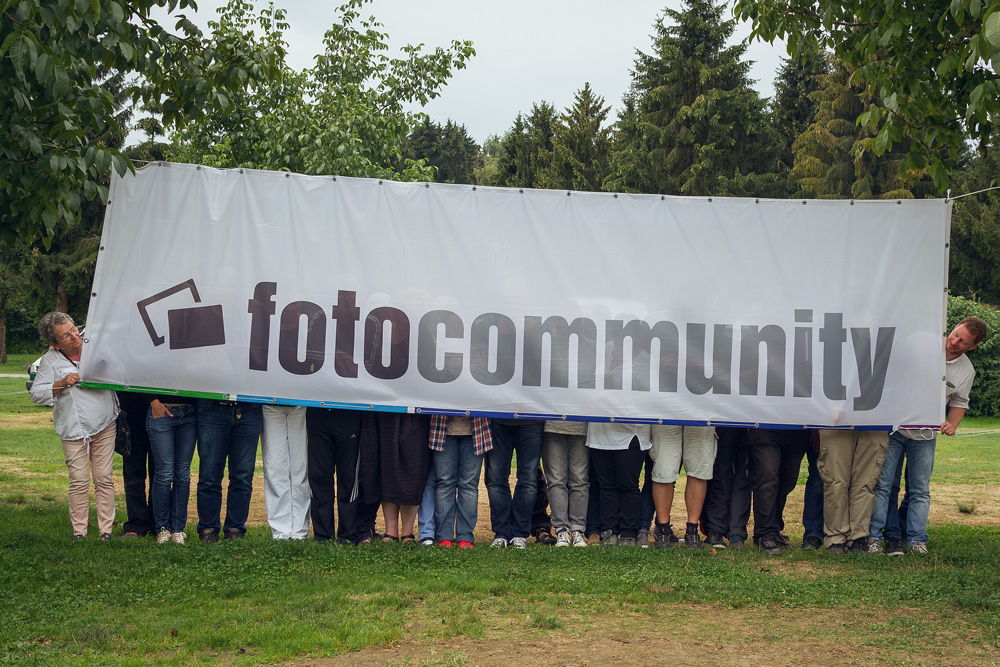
(527, 148)
(697, 126)
(580, 146)
(794, 106)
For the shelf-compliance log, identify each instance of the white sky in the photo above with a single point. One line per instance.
(526, 51)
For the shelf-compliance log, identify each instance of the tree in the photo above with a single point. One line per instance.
(448, 149)
(526, 148)
(52, 103)
(794, 105)
(692, 123)
(580, 146)
(975, 232)
(834, 156)
(932, 68)
(346, 115)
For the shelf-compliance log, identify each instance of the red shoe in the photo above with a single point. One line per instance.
(464, 545)
(445, 544)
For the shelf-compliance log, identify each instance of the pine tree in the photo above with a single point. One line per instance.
(697, 126)
(580, 146)
(527, 148)
(793, 106)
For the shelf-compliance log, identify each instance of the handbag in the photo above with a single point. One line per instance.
(123, 435)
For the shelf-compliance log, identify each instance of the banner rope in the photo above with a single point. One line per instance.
(969, 194)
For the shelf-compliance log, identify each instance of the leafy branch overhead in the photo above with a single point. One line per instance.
(932, 67)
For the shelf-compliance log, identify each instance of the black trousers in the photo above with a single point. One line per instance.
(775, 460)
(333, 446)
(137, 467)
(617, 473)
(727, 503)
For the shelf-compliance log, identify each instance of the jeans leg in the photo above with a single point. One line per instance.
(498, 479)
(426, 519)
(579, 482)
(242, 459)
(137, 468)
(555, 459)
(470, 466)
(161, 441)
(812, 506)
(893, 461)
(919, 466)
(446, 474)
(528, 445)
(185, 435)
(214, 424)
(895, 524)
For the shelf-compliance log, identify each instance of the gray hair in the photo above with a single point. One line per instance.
(48, 323)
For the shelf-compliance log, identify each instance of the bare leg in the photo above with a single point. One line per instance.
(391, 513)
(663, 500)
(694, 497)
(407, 515)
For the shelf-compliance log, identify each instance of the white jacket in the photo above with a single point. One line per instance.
(78, 413)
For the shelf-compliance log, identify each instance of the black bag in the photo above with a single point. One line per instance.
(123, 435)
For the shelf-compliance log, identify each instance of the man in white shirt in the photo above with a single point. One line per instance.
(917, 446)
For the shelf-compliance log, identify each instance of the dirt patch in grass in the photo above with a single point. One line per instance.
(695, 635)
(27, 420)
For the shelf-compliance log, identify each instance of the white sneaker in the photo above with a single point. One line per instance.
(562, 538)
(519, 542)
(163, 536)
(499, 543)
(427, 542)
(178, 538)
(918, 547)
(579, 540)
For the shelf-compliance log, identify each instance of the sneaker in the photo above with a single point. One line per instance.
(465, 545)
(499, 543)
(716, 540)
(594, 539)
(872, 546)
(427, 542)
(106, 537)
(627, 542)
(130, 535)
(643, 539)
(692, 539)
(563, 539)
(783, 541)
(837, 549)
(210, 535)
(859, 546)
(737, 542)
(233, 534)
(893, 546)
(664, 535)
(163, 536)
(544, 537)
(178, 538)
(770, 545)
(812, 543)
(918, 548)
(519, 542)
(445, 544)
(578, 539)
(609, 539)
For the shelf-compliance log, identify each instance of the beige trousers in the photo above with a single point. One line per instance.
(849, 463)
(91, 456)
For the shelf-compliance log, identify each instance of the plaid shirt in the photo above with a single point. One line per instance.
(480, 433)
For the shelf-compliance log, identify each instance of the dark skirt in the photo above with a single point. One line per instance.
(395, 457)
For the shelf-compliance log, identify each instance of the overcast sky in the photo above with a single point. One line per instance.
(527, 51)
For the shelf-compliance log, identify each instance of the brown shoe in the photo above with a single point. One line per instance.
(593, 540)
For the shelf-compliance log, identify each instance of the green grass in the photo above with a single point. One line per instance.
(259, 601)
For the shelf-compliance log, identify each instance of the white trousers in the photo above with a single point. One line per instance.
(286, 482)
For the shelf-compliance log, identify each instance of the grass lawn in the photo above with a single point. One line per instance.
(258, 601)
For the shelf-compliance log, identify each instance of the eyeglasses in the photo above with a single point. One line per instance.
(72, 333)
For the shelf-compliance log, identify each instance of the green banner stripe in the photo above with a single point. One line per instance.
(155, 390)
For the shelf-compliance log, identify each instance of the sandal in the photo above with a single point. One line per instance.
(408, 539)
(390, 538)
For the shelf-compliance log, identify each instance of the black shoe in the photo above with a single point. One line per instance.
(893, 546)
(812, 543)
(837, 549)
(737, 542)
(692, 539)
(664, 534)
(783, 541)
(859, 546)
(716, 540)
(208, 535)
(770, 545)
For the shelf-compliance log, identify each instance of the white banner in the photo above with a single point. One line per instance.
(310, 289)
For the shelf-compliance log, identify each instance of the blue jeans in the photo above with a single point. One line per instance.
(456, 497)
(226, 431)
(425, 513)
(812, 506)
(510, 516)
(171, 439)
(919, 466)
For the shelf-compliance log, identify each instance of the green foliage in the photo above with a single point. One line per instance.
(580, 147)
(794, 107)
(346, 115)
(53, 106)
(448, 148)
(975, 232)
(931, 70)
(692, 124)
(526, 148)
(835, 157)
(985, 397)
